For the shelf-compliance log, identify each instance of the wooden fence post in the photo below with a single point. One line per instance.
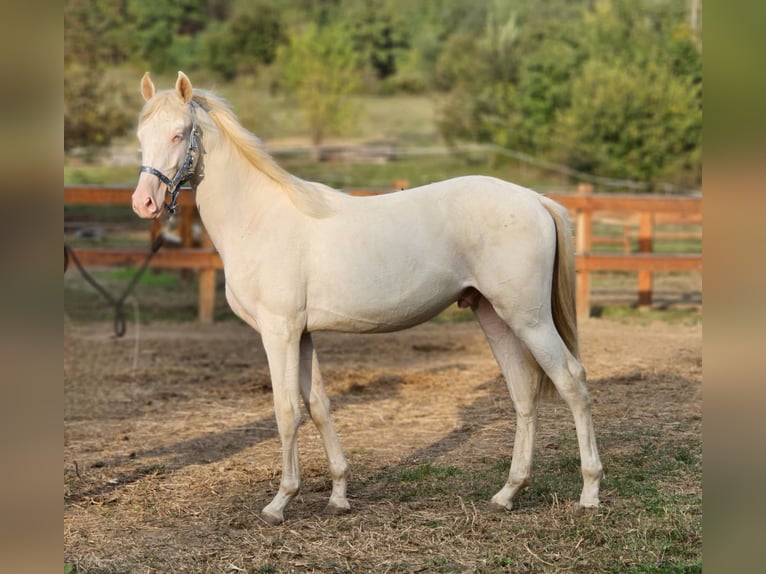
(645, 246)
(583, 237)
(400, 184)
(186, 216)
(206, 301)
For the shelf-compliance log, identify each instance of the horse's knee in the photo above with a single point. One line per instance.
(288, 414)
(526, 412)
(290, 486)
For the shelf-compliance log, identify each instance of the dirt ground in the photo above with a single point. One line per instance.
(171, 450)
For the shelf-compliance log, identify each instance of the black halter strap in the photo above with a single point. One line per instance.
(163, 178)
(184, 173)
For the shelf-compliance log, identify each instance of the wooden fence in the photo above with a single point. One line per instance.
(204, 258)
(582, 205)
(650, 209)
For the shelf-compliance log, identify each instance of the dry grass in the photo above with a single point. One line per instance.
(171, 453)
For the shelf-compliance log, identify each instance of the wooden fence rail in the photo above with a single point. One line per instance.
(583, 205)
(203, 259)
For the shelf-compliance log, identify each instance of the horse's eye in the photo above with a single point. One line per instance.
(176, 138)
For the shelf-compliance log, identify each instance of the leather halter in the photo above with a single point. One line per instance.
(184, 173)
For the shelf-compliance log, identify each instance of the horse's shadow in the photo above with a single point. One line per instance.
(215, 447)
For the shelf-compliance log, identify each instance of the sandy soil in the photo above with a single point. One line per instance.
(170, 430)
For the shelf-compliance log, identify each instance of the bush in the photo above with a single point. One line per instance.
(95, 110)
(630, 122)
(321, 68)
(245, 41)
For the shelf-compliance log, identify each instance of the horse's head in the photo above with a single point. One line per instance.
(169, 145)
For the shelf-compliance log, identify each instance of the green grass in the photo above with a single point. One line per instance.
(646, 316)
(692, 568)
(159, 296)
(420, 482)
(426, 472)
(613, 230)
(454, 314)
(651, 516)
(417, 170)
(101, 174)
(164, 280)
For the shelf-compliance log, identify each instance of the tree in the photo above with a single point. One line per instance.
(165, 34)
(611, 87)
(633, 122)
(95, 109)
(321, 68)
(378, 34)
(636, 108)
(249, 38)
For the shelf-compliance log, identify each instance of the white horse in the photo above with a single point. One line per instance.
(300, 257)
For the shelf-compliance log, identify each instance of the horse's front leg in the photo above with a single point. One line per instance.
(283, 352)
(318, 405)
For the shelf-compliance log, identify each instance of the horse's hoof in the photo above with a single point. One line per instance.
(333, 510)
(586, 508)
(497, 507)
(271, 520)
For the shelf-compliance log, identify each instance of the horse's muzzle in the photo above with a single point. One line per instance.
(145, 206)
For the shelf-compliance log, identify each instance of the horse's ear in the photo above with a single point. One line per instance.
(184, 87)
(147, 87)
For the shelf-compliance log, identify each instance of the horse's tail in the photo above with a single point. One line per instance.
(563, 294)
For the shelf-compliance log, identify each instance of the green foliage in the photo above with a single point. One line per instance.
(95, 109)
(610, 87)
(378, 34)
(320, 68)
(635, 121)
(164, 33)
(545, 88)
(613, 90)
(246, 40)
(636, 109)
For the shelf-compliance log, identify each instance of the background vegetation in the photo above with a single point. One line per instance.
(607, 87)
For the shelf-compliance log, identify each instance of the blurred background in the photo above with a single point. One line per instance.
(360, 93)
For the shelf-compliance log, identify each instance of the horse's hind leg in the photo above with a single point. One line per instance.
(536, 329)
(523, 377)
(318, 404)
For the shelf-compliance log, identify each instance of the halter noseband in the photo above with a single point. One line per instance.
(185, 172)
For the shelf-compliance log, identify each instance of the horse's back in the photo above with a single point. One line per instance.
(476, 214)
(478, 200)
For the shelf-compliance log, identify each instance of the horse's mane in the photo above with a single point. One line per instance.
(309, 198)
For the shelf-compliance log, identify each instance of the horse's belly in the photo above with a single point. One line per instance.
(377, 315)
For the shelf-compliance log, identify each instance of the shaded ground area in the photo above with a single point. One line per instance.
(171, 451)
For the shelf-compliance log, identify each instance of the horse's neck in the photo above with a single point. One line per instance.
(237, 200)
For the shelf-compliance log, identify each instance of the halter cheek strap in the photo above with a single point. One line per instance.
(185, 172)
